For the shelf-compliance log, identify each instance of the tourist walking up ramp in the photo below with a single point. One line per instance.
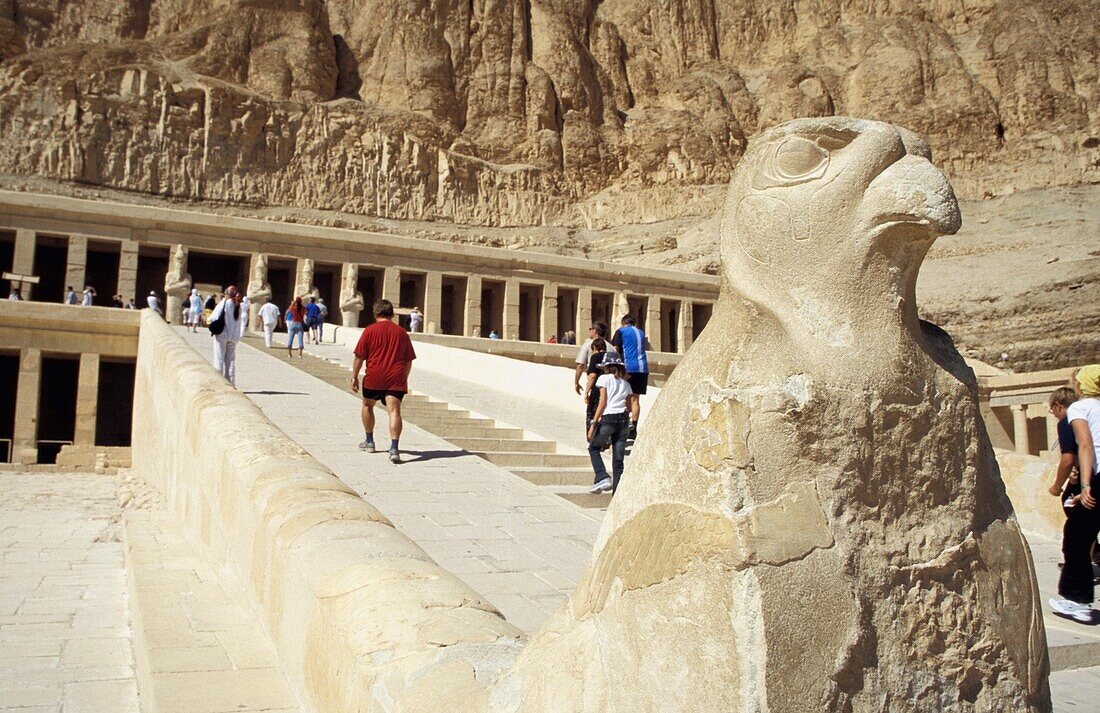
(520, 547)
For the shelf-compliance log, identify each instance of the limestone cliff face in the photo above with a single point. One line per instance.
(517, 112)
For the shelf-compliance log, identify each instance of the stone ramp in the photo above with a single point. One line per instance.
(1072, 645)
(522, 548)
(561, 468)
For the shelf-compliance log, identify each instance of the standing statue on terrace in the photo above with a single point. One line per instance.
(303, 279)
(177, 283)
(258, 291)
(351, 300)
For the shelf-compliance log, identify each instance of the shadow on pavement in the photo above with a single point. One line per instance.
(275, 393)
(431, 455)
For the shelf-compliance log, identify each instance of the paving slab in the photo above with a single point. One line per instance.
(470, 516)
(65, 636)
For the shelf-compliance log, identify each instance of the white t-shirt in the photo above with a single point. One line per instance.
(585, 353)
(617, 391)
(87, 299)
(1089, 411)
(269, 313)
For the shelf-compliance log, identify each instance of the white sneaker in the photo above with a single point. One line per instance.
(367, 446)
(601, 487)
(1073, 610)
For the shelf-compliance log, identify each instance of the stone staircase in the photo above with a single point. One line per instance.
(537, 461)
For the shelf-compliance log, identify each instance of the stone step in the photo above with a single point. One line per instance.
(410, 403)
(449, 432)
(432, 421)
(555, 476)
(533, 460)
(504, 445)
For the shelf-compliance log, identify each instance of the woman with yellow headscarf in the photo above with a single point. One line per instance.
(1076, 585)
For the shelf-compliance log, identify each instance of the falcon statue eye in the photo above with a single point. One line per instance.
(794, 160)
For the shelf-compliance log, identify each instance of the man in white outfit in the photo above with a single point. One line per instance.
(225, 342)
(269, 316)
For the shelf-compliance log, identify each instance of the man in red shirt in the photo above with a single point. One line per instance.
(388, 353)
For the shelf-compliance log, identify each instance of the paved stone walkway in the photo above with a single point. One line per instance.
(65, 638)
(523, 549)
(198, 643)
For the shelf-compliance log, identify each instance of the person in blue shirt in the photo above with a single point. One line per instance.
(630, 342)
(313, 319)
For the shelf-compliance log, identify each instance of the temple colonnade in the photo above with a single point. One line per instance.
(460, 289)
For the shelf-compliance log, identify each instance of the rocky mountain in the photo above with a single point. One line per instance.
(574, 113)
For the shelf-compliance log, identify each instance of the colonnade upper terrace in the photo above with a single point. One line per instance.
(461, 289)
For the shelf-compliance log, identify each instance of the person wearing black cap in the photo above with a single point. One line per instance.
(610, 423)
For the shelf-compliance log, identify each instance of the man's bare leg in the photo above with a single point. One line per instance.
(367, 414)
(393, 406)
(635, 412)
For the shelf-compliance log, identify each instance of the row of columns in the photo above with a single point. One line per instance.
(28, 395)
(76, 262)
(1021, 436)
(178, 284)
(350, 302)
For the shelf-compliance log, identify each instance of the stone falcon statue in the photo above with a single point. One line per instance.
(812, 518)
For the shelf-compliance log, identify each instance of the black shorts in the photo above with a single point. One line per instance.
(381, 395)
(638, 382)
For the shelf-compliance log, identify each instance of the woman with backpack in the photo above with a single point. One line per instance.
(610, 423)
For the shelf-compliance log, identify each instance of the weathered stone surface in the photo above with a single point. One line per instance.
(359, 615)
(826, 529)
(505, 112)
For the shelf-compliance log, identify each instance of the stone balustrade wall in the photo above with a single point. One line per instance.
(361, 617)
(1026, 479)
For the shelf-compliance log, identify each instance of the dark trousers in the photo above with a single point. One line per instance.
(1079, 533)
(612, 429)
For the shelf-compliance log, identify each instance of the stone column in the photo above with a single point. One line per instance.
(303, 279)
(549, 313)
(584, 313)
(687, 325)
(1019, 429)
(433, 303)
(177, 284)
(351, 300)
(1052, 432)
(391, 286)
(654, 318)
(473, 307)
(127, 270)
(76, 263)
(22, 261)
(24, 447)
(87, 392)
(511, 309)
